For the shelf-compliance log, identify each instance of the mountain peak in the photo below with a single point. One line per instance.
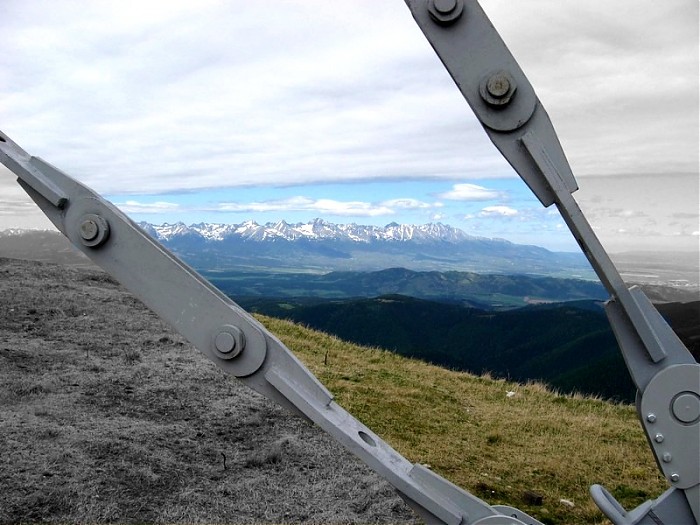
(317, 229)
(324, 246)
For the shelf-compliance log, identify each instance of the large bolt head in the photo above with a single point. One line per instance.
(686, 407)
(498, 88)
(88, 229)
(228, 342)
(445, 12)
(93, 230)
(498, 85)
(444, 6)
(225, 342)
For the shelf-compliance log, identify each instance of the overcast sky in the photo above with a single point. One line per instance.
(223, 111)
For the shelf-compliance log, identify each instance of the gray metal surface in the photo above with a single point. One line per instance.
(670, 508)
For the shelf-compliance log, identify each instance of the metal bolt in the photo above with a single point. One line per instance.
(498, 88)
(229, 342)
(675, 477)
(88, 229)
(445, 12)
(498, 85)
(445, 6)
(686, 407)
(667, 457)
(93, 230)
(659, 438)
(225, 342)
(651, 418)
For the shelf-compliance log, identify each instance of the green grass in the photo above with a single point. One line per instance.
(106, 415)
(468, 430)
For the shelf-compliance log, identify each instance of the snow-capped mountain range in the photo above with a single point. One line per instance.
(322, 246)
(318, 229)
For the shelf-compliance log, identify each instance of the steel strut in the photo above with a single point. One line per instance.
(667, 377)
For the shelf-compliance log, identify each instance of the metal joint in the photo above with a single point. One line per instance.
(228, 342)
(498, 89)
(445, 12)
(94, 230)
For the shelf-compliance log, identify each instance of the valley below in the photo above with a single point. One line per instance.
(520, 326)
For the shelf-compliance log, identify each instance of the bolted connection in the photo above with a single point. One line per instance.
(228, 342)
(445, 12)
(93, 230)
(498, 86)
(88, 230)
(498, 89)
(686, 407)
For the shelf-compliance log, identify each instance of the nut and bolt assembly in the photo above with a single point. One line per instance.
(93, 229)
(228, 342)
(497, 89)
(445, 12)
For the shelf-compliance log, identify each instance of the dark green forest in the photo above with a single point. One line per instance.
(569, 346)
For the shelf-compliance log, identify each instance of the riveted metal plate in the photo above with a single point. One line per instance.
(670, 435)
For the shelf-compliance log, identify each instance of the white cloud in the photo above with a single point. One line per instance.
(470, 192)
(132, 206)
(8, 207)
(320, 206)
(299, 203)
(498, 211)
(410, 204)
(227, 94)
(626, 214)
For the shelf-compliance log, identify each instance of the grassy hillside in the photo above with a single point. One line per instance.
(106, 416)
(569, 345)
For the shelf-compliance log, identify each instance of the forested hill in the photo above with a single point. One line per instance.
(567, 345)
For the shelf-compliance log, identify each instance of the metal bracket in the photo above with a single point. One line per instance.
(32, 170)
(671, 408)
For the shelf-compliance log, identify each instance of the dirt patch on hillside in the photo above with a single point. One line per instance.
(107, 415)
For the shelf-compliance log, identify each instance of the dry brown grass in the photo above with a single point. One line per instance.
(468, 430)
